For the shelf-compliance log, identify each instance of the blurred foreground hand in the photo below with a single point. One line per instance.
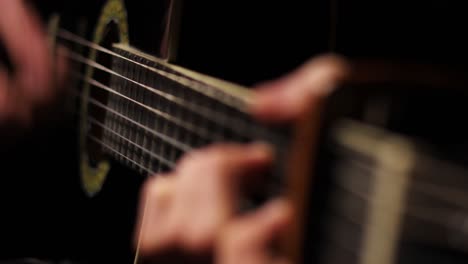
(37, 74)
(189, 215)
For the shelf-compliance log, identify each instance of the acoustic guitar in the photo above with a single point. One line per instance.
(142, 111)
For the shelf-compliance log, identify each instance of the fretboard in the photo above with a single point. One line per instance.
(153, 114)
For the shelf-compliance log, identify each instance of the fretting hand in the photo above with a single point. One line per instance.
(190, 212)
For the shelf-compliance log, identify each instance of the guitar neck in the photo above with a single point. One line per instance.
(152, 112)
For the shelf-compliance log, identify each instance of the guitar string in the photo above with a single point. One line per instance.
(235, 124)
(113, 111)
(107, 128)
(113, 150)
(158, 157)
(69, 36)
(216, 117)
(184, 148)
(174, 142)
(197, 130)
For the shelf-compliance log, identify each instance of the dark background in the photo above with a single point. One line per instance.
(44, 213)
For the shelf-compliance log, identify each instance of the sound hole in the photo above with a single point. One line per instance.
(96, 114)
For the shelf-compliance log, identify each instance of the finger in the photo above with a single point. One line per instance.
(152, 234)
(247, 240)
(209, 182)
(28, 48)
(11, 106)
(285, 99)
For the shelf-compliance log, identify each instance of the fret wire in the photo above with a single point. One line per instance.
(176, 134)
(120, 154)
(126, 109)
(153, 123)
(164, 138)
(201, 131)
(216, 117)
(112, 119)
(142, 118)
(76, 39)
(136, 113)
(165, 132)
(160, 158)
(122, 108)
